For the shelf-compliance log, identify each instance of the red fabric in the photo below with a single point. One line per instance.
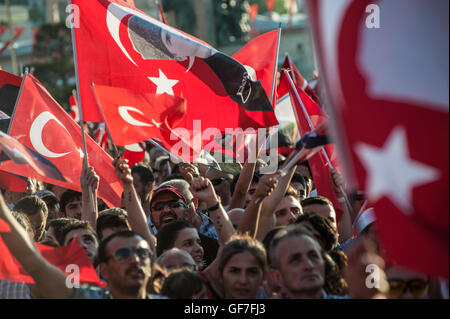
(74, 112)
(12, 183)
(253, 11)
(320, 169)
(270, 5)
(404, 123)
(61, 257)
(61, 142)
(101, 60)
(299, 80)
(134, 153)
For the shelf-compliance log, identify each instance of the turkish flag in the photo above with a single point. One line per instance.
(134, 153)
(13, 182)
(299, 80)
(42, 125)
(61, 257)
(31, 161)
(320, 169)
(118, 45)
(74, 112)
(389, 99)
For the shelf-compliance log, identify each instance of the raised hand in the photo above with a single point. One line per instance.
(265, 186)
(188, 171)
(338, 181)
(88, 179)
(203, 189)
(123, 170)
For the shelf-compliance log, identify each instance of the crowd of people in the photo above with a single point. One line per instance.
(194, 231)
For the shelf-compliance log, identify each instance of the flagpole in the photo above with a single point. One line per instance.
(272, 98)
(312, 127)
(17, 101)
(116, 151)
(80, 111)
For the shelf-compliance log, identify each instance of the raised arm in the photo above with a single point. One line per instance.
(89, 182)
(345, 223)
(243, 185)
(50, 281)
(136, 215)
(203, 189)
(250, 220)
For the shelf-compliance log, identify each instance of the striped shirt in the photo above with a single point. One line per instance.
(14, 290)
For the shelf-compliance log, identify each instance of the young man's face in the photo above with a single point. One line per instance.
(38, 222)
(128, 274)
(73, 208)
(242, 276)
(86, 239)
(301, 266)
(287, 211)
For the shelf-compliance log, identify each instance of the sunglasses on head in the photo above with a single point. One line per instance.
(398, 287)
(218, 181)
(172, 204)
(123, 254)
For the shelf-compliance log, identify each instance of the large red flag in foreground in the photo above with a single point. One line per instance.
(118, 45)
(389, 90)
(61, 257)
(42, 125)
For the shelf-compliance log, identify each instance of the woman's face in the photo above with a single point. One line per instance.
(242, 276)
(189, 241)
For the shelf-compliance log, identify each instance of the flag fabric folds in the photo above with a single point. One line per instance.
(42, 125)
(391, 110)
(118, 45)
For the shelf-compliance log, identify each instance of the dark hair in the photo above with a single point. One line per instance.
(166, 236)
(67, 197)
(30, 205)
(291, 191)
(242, 243)
(145, 173)
(102, 254)
(113, 217)
(268, 240)
(182, 284)
(172, 177)
(23, 220)
(70, 225)
(328, 235)
(293, 230)
(320, 200)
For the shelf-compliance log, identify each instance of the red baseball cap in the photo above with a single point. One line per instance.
(168, 188)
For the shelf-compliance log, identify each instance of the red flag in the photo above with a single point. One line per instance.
(12, 182)
(61, 257)
(299, 80)
(120, 46)
(134, 153)
(74, 113)
(9, 89)
(45, 127)
(253, 11)
(390, 103)
(320, 168)
(270, 5)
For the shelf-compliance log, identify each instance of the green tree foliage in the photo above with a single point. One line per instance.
(232, 21)
(53, 61)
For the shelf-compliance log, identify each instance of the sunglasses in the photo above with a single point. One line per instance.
(398, 287)
(172, 204)
(123, 254)
(218, 181)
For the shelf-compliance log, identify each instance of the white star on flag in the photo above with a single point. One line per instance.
(163, 84)
(81, 152)
(391, 172)
(158, 125)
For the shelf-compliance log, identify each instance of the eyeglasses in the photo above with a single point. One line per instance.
(123, 254)
(398, 287)
(172, 204)
(218, 181)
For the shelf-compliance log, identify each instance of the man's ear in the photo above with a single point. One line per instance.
(149, 187)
